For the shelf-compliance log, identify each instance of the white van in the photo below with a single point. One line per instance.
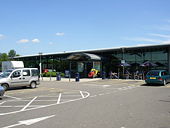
(20, 77)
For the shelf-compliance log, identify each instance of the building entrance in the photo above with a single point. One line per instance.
(84, 63)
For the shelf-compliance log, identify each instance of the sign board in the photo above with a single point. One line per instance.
(122, 61)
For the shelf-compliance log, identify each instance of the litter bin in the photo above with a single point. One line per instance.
(77, 77)
(58, 77)
(103, 75)
(2, 91)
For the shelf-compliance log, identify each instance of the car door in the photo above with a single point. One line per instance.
(16, 78)
(26, 76)
(166, 76)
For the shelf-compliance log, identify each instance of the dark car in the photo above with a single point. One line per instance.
(157, 77)
(2, 91)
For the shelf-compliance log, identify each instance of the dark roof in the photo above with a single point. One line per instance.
(83, 56)
(99, 50)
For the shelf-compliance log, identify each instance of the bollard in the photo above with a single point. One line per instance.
(103, 75)
(58, 78)
(77, 77)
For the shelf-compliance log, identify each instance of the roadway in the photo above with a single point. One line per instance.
(92, 104)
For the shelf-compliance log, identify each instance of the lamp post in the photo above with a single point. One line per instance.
(123, 61)
(40, 64)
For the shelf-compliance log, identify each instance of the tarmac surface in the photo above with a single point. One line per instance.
(90, 103)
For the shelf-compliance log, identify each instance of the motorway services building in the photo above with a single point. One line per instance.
(119, 60)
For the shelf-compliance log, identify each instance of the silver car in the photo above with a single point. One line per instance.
(20, 77)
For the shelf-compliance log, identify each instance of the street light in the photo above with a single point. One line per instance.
(40, 64)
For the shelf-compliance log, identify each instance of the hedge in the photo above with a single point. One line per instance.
(52, 74)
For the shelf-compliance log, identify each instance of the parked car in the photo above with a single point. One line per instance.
(2, 91)
(157, 77)
(20, 77)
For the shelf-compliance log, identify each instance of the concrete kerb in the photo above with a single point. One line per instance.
(68, 80)
(86, 79)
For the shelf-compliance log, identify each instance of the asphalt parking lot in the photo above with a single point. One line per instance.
(97, 104)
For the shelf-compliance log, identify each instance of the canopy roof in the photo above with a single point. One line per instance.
(84, 56)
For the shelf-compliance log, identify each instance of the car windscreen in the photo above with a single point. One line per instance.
(5, 74)
(153, 73)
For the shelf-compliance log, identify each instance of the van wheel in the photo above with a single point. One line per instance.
(5, 86)
(33, 85)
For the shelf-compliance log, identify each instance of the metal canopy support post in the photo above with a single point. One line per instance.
(169, 60)
(69, 71)
(40, 65)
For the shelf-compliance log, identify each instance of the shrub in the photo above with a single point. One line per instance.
(52, 74)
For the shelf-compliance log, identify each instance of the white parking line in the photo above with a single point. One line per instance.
(28, 103)
(2, 102)
(82, 94)
(30, 107)
(59, 98)
(12, 97)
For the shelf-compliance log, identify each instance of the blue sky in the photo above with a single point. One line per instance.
(33, 26)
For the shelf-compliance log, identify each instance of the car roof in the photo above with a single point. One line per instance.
(25, 69)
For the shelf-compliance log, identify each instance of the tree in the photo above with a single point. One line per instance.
(12, 53)
(4, 57)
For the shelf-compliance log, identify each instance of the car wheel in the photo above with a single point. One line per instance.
(5, 86)
(164, 82)
(33, 85)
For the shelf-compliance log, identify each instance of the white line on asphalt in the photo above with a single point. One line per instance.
(21, 106)
(101, 94)
(93, 96)
(28, 104)
(59, 98)
(2, 102)
(29, 122)
(14, 112)
(105, 86)
(12, 97)
(82, 94)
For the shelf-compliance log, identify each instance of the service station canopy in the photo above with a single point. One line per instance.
(84, 57)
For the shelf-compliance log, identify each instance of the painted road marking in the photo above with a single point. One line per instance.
(2, 102)
(29, 122)
(28, 103)
(32, 105)
(118, 89)
(82, 94)
(13, 97)
(59, 98)
(105, 86)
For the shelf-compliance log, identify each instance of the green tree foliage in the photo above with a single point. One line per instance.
(12, 53)
(6, 57)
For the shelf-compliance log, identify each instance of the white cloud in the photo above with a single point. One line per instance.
(160, 35)
(145, 40)
(35, 40)
(2, 36)
(51, 43)
(143, 44)
(165, 27)
(60, 34)
(23, 41)
(165, 42)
